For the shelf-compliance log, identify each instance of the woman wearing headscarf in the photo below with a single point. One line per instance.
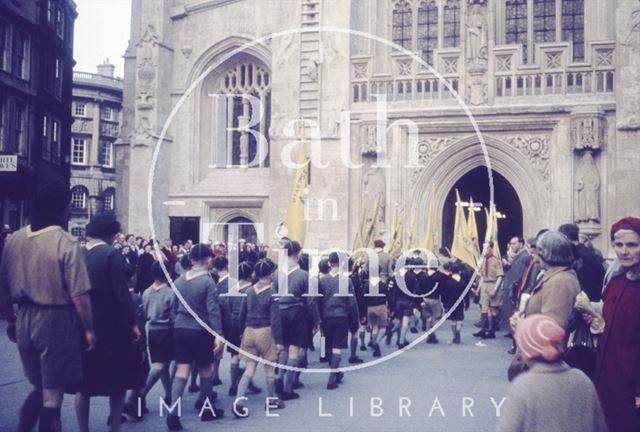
(112, 367)
(617, 376)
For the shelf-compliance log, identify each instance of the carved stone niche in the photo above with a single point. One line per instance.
(588, 131)
(369, 145)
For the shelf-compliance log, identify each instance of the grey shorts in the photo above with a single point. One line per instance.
(432, 308)
(48, 340)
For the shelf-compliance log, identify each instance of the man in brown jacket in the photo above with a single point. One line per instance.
(44, 272)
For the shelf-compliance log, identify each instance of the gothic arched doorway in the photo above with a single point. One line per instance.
(474, 184)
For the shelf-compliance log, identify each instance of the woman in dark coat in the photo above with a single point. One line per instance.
(617, 376)
(113, 366)
(144, 276)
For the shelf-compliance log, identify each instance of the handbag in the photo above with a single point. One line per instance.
(582, 350)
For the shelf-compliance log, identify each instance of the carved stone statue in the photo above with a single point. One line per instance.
(477, 37)
(587, 190)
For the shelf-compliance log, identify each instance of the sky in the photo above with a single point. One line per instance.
(101, 31)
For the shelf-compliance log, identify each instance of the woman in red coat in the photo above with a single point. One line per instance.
(617, 375)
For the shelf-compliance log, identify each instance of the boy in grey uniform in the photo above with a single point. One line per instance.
(191, 342)
(339, 315)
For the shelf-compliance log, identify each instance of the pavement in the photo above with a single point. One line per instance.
(426, 388)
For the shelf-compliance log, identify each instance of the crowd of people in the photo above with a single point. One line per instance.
(120, 313)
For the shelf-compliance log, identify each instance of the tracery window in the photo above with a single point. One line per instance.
(427, 30)
(516, 25)
(401, 28)
(573, 26)
(244, 83)
(451, 22)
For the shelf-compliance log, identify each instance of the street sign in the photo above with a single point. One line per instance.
(8, 162)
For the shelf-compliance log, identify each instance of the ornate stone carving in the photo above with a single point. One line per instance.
(147, 65)
(186, 52)
(503, 63)
(404, 68)
(368, 140)
(477, 94)
(142, 133)
(426, 150)
(477, 39)
(554, 60)
(360, 70)
(587, 132)
(587, 190)
(536, 149)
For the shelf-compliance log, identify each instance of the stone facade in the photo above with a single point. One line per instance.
(548, 113)
(97, 114)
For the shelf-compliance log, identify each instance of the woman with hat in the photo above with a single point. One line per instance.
(262, 336)
(617, 376)
(111, 368)
(551, 396)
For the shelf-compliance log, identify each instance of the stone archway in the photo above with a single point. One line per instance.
(461, 156)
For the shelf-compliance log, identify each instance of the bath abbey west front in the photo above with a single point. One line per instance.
(553, 86)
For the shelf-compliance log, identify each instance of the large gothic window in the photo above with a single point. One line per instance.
(573, 26)
(402, 24)
(516, 24)
(242, 84)
(451, 22)
(427, 29)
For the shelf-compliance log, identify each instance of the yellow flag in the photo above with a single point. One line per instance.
(431, 238)
(295, 219)
(494, 234)
(472, 231)
(411, 235)
(459, 249)
(395, 248)
(372, 230)
(492, 229)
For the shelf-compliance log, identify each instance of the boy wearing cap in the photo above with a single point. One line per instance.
(262, 336)
(551, 396)
(192, 342)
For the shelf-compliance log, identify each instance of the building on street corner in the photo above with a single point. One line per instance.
(97, 113)
(36, 63)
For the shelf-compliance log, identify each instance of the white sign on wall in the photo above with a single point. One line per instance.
(8, 163)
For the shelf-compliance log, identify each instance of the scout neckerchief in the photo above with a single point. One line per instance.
(223, 278)
(159, 287)
(196, 272)
(455, 277)
(261, 287)
(41, 231)
(93, 243)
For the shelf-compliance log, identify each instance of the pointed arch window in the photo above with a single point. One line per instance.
(247, 86)
(401, 26)
(427, 29)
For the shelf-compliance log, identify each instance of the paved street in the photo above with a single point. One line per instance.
(445, 371)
